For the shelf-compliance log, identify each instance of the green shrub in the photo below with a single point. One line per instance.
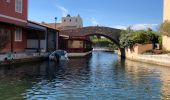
(165, 28)
(130, 38)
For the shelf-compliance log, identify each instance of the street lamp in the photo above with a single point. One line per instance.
(55, 22)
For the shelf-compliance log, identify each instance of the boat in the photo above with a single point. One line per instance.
(59, 55)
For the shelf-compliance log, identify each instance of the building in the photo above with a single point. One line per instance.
(69, 22)
(166, 17)
(42, 38)
(76, 46)
(13, 22)
(21, 38)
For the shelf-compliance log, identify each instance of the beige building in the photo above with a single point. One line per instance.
(166, 16)
(68, 22)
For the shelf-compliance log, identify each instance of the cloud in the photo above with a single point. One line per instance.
(120, 27)
(137, 26)
(144, 26)
(94, 21)
(63, 10)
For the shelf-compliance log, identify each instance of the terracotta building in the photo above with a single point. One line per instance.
(13, 21)
(23, 35)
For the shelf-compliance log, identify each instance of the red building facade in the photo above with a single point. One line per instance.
(13, 21)
(14, 11)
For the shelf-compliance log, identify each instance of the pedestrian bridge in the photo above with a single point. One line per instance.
(111, 33)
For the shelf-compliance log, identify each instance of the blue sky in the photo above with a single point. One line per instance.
(112, 13)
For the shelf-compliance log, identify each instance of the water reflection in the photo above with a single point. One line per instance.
(160, 74)
(100, 77)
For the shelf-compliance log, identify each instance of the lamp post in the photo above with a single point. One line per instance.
(55, 22)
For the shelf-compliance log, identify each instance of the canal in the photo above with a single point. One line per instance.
(103, 76)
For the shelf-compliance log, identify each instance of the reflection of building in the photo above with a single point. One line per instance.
(166, 16)
(142, 70)
(69, 22)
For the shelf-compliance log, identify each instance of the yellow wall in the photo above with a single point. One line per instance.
(166, 10)
(166, 43)
(75, 44)
(138, 49)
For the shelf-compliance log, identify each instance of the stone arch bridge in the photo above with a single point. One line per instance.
(111, 33)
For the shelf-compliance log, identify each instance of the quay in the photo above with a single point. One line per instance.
(8, 59)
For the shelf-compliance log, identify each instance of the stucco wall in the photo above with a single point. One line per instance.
(166, 43)
(9, 15)
(72, 22)
(138, 49)
(166, 10)
(75, 44)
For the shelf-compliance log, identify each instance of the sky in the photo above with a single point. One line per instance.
(139, 14)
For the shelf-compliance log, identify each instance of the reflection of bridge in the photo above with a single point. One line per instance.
(111, 33)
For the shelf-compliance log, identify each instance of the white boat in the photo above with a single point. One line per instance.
(58, 55)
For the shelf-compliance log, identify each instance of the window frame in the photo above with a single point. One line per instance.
(18, 34)
(17, 7)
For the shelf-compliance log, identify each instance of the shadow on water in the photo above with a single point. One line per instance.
(102, 76)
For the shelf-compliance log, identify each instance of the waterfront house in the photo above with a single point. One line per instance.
(13, 22)
(76, 46)
(41, 37)
(21, 38)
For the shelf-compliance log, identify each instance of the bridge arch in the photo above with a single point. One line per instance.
(111, 33)
(97, 34)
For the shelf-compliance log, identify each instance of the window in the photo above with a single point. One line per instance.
(8, 1)
(70, 20)
(18, 34)
(18, 6)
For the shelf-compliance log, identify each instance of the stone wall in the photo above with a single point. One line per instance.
(136, 55)
(138, 49)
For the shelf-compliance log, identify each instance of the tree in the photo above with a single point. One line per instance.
(129, 38)
(165, 28)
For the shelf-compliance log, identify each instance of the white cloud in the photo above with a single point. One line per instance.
(137, 26)
(94, 21)
(63, 10)
(144, 26)
(120, 27)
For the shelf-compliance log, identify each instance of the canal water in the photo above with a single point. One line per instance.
(103, 76)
